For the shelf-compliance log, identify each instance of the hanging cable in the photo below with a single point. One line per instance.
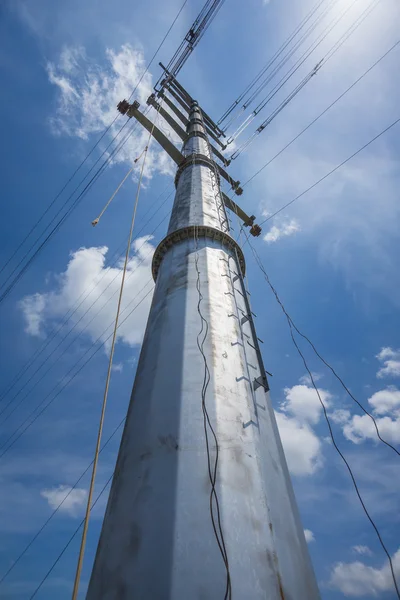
(97, 219)
(58, 507)
(84, 296)
(60, 221)
(292, 71)
(324, 111)
(36, 417)
(269, 64)
(107, 384)
(77, 336)
(71, 538)
(276, 112)
(212, 470)
(330, 172)
(75, 325)
(290, 324)
(98, 141)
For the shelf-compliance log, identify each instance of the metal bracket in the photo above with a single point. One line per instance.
(260, 382)
(132, 110)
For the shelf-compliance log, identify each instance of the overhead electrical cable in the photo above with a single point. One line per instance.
(331, 171)
(296, 67)
(324, 111)
(315, 44)
(76, 373)
(60, 221)
(58, 507)
(269, 64)
(110, 363)
(291, 329)
(84, 296)
(192, 38)
(77, 336)
(99, 140)
(71, 538)
(275, 113)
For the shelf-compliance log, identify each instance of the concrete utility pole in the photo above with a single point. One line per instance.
(189, 443)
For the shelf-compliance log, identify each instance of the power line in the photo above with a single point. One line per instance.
(269, 64)
(290, 323)
(98, 141)
(324, 111)
(110, 363)
(55, 511)
(76, 373)
(302, 60)
(60, 222)
(27, 395)
(331, 171)
(70, 539)
(82, 298)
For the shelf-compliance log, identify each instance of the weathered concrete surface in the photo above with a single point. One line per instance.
(157, 540)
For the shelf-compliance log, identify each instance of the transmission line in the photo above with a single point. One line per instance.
(269, 64)
(71, 538)
(98, 141)
(291, 327)
(74, 375)
(297, 66)
(82, 298)
(110, 363)
(324, 111)
(331, 171)
(27, 395)
(58, 507)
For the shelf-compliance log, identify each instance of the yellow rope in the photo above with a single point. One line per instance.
(94, 223)
(103, 408)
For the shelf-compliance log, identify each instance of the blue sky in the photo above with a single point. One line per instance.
(333, 257)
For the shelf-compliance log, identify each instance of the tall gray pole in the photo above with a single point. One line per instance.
(201, 505)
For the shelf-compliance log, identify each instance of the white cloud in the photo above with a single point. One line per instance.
(306, 379)
(391, 363)
(74, 502)
(33, 308)
(385, 401)
(340, 416)
(309, 536)
(363, 550)
(117, 367)
(88, 95)
(297, 413)
(303, 403)
(286, 229)
(86, 281)
(385, 406)
(302, 447)
(357, 579)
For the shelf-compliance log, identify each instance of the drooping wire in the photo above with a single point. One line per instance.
(108, 377)
(71, 538)
(77, 336)
(212, 470)
(61, 220)
(269, 64)
(99, 140)
(276, 112)
(331, 171)
(291, 328)
(58, 507)
(76, 372)
(324, 111)
(82, 298)
(302, 59)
